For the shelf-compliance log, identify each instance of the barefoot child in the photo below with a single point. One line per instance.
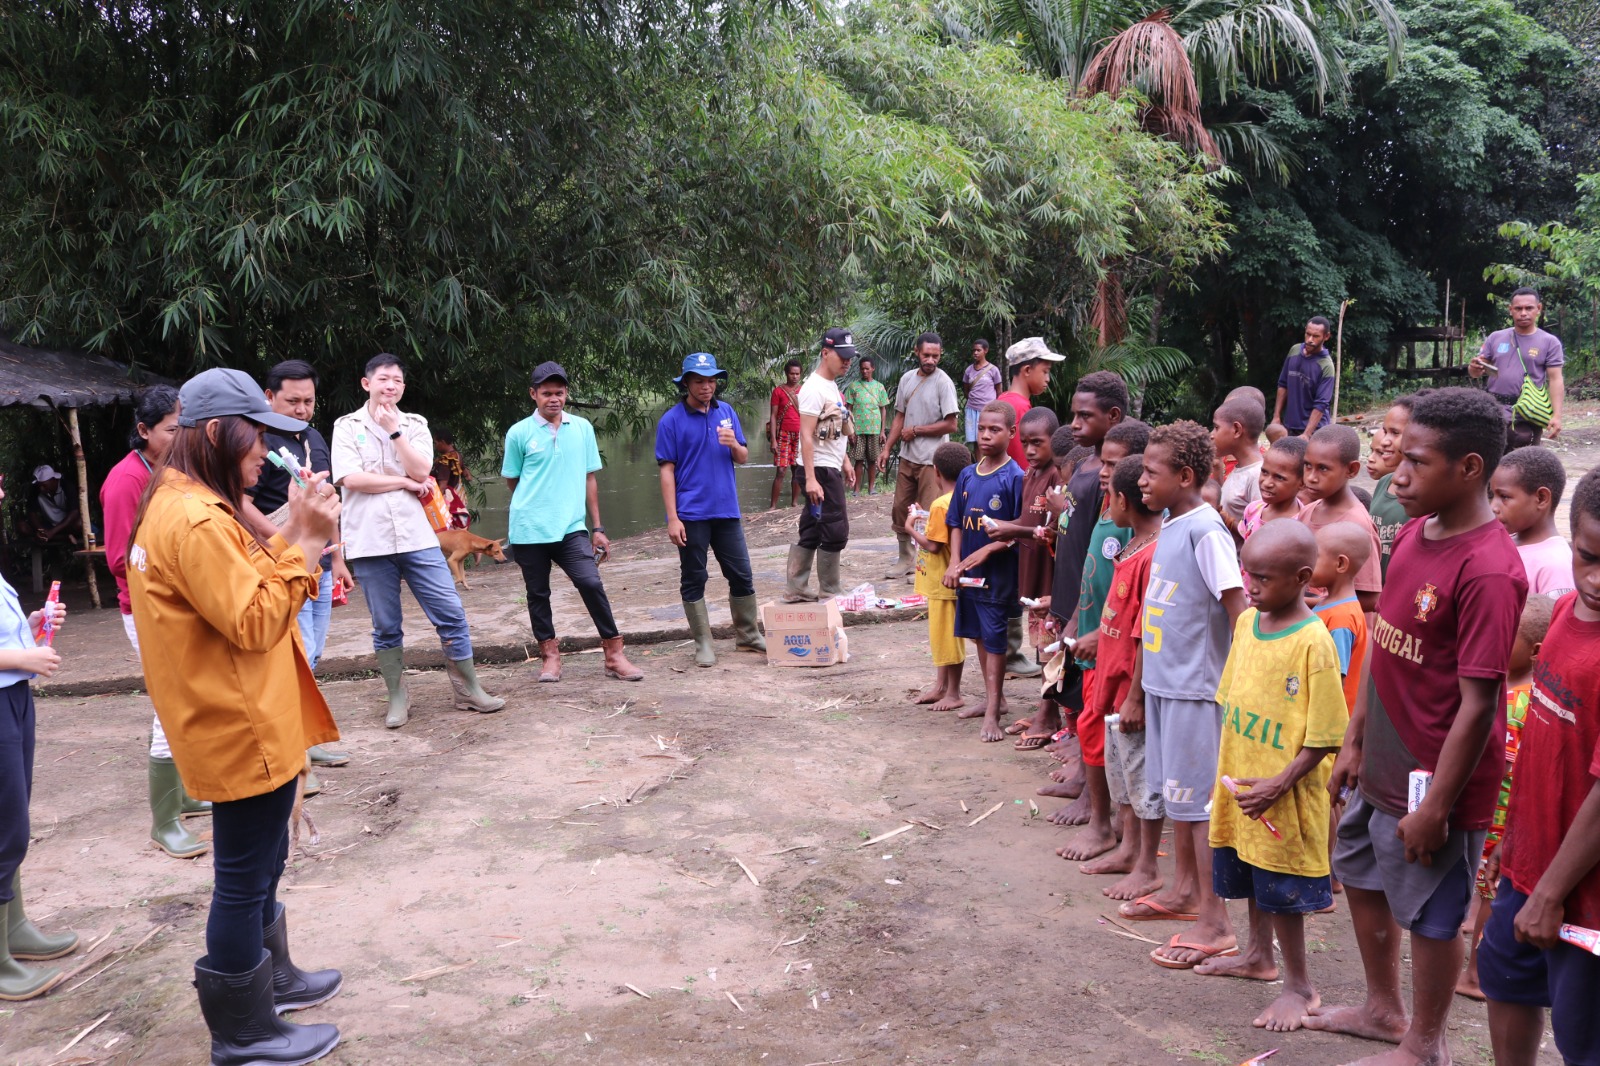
(1434, 702)
(1116, 665)
(1282, 473)
(1235, 433)
(1531, 631)
(1194, 597)
(1035, 565)
(1106, 541)
(1342, 549)
(1524, 493)
(1067, 779)
(1551, 867)
(1333, 457)
(1387, 514)
(1283, 712)
(990, 488)
(932, 538)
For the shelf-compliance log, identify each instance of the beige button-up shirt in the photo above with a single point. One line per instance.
(379, 523)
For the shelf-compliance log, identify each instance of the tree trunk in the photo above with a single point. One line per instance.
(83, 502)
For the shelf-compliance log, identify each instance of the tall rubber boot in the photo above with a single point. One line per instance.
(746, 624)
(19, 982)
(292, 987)
(1018, 664)
(705, 654)
(193, 808)
(799, 575)
(617, 666)
(245, 1027)
(392, 664)
(167, 831)
(311, 786)
(550, 660)
(828, 574)
(27, 942)
(469, 694)
(906, 563)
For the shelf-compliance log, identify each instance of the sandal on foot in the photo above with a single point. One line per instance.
(1031, 741)
(1157, 912)
(1018, 726)
(1208, 951)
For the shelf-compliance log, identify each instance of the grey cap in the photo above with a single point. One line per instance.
(217, 393)
(546, 371)
(1030, 350)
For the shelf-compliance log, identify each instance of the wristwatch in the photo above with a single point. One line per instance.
(395, 435)
(597, 529)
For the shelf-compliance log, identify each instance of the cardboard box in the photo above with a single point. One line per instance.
(804, 634)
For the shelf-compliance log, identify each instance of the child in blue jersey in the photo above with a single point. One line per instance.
(982, 571)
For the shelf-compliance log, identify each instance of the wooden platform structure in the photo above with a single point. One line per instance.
(1440, 366)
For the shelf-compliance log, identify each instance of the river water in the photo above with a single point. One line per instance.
(630, 486)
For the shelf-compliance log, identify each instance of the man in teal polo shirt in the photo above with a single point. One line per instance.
(550, 462)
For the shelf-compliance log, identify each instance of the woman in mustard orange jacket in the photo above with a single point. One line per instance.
(215, 611)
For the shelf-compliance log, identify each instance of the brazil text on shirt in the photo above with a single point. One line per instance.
(1552, 694)
(1253, 726)
(1396, 642)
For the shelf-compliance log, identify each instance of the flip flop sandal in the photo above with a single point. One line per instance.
(1018, 726)
(1031, 741)
(1207, 950)
(1158, 912)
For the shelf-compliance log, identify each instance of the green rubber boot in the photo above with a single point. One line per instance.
(469, 694)
(746, 627)
(799, 572)
(193, 808)
(1018, 664)
(311, 787)
(705, 654)
(167, 831)
(392, 665)
(19, 982)
(27, 942)
(828, 574)
(322, 755)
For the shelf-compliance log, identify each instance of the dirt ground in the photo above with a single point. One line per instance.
(562, 881)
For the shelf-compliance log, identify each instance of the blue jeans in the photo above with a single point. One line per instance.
(429, 577)
(574, 553)
(16, 779)
(314, 617)
(250, 843)
(725, 537)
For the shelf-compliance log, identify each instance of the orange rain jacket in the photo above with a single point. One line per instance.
(215, 613)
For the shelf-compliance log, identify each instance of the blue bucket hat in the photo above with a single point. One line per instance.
(702, 363)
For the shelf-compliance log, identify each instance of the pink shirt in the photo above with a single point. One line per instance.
(1548, 565)
(119, 502)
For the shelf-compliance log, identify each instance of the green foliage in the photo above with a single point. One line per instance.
(482, 184)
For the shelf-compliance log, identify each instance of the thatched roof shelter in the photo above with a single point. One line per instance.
(41, 377)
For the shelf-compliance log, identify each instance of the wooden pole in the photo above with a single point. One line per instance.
(83, 501)
(1338, 363)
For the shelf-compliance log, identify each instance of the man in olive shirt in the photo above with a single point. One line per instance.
(925, 414)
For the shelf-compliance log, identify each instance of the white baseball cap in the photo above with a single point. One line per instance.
(44, 473)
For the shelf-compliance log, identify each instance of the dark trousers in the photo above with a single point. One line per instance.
(16, 780)
(725, 537)
(575, 555)
(829, 531)
(1520, 433)
(249, 845)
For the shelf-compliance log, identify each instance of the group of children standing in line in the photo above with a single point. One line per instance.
(1323, 691)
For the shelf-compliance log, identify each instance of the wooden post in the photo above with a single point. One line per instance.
(1338, 363)
(83, 501)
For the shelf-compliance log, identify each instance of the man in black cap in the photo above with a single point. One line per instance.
(825, 429)
(549, 466)
(380, 458)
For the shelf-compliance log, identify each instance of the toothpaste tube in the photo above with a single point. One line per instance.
(1418, 782)
(1029, 602)
(988, 523)
(1579, 937)
(973, 582)
(1259, 1059)
(1065, 642)
(50, 614)
(1233, 787)
(287, 463)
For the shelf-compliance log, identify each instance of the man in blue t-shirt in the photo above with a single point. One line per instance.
(698, 443)
(550, 462)
(1305, 385)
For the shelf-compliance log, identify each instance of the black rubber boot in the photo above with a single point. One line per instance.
(292, 987)
(245, 1031)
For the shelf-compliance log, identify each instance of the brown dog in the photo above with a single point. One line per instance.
(457, 544)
